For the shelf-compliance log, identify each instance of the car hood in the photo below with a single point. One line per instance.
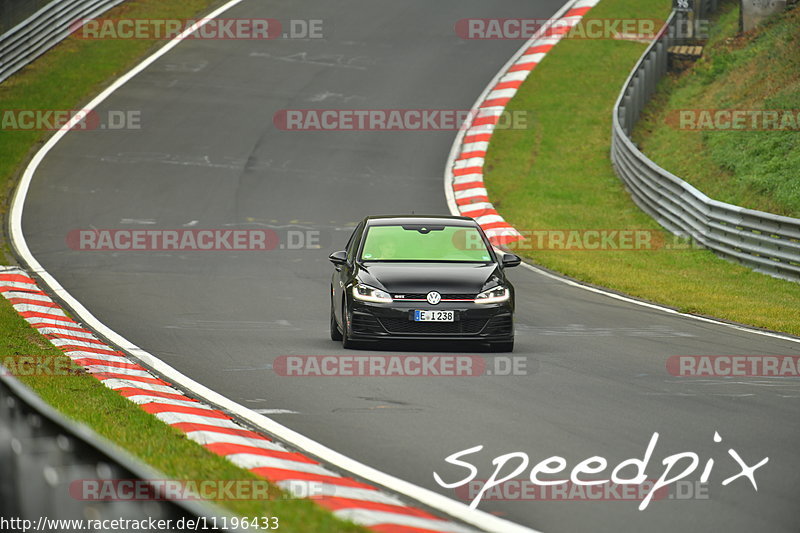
(399, 278)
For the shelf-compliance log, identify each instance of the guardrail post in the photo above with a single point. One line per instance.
(649, 77)
(640, 97)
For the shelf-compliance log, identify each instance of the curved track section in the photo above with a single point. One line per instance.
(208, 156)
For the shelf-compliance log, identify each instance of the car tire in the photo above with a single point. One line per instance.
(336, 335)
(503, 346)
(347, 342)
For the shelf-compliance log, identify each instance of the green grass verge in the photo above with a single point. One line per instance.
(65, 78)
(557, 174)
(759, 70)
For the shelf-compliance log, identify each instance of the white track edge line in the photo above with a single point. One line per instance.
(427, 498)
(453, 207)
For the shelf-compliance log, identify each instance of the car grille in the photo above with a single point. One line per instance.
(500, 325)
(363, 323)
(423, 295)
(404, 325)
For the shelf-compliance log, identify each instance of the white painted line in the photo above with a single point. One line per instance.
(77, 354)
(27, 296)
(275, 412)
(47, 316)
(480, 146)
(467, 163)
(488, 219)
(56, 341)
(251, 461)
(178, 417)
(22, 308)
(467, 178)
(19, 285)
(477, 206)
(533, 58)
(143, 399)
(102, 369)
(119, 383)
(212, 437)
(52, 330)
(500, 93)
(519, 75)
(469, 193)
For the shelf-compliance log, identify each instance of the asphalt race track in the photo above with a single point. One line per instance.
(208, 156)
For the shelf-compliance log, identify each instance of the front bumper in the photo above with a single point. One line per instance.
(486, 322)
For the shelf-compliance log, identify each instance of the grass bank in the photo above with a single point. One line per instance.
(557, 175)
(759, 70)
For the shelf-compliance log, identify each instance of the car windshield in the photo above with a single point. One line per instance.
(425, 243)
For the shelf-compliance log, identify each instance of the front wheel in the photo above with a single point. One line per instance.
(347, 342)
(502, 346)
(336, 335)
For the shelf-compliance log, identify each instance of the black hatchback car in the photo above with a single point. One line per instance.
(424, 278)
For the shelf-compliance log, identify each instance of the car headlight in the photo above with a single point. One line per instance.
(371, 294)
(493, 296)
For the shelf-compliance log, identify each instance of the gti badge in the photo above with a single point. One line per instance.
(433, 297)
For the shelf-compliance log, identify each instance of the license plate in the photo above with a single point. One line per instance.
(433, 316)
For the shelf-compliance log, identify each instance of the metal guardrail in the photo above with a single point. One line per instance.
(42, 453)
(12, 12)
(44, 29)
(762, 241)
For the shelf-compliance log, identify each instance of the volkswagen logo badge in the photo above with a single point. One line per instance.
(433, 297)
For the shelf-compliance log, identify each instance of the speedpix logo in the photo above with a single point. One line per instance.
(674, 468)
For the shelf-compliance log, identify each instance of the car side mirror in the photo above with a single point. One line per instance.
(338, 258)
(511, 260)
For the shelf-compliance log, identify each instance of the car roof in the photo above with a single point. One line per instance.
(395, 220)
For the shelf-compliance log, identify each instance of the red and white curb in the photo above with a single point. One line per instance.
(465, 185)
(294, 472)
